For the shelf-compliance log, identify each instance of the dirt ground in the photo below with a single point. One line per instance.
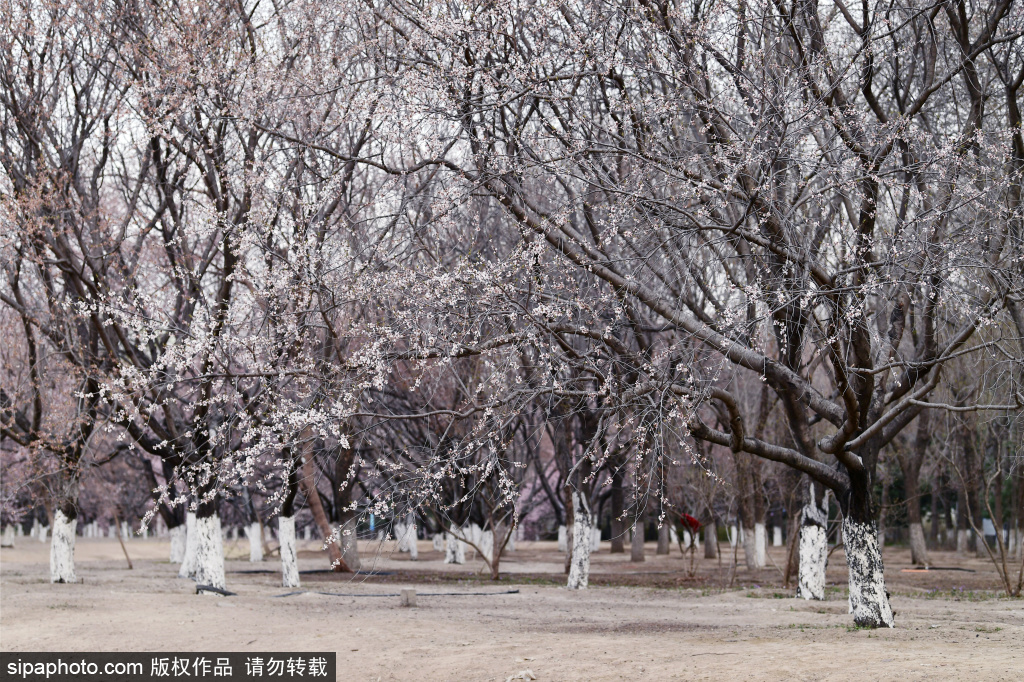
(656, 620)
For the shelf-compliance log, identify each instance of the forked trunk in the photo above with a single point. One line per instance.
(62, 547)
(209, 552)
(869, 602)
(188, 569)
(178, 541)
(579, 571)
(289, 559)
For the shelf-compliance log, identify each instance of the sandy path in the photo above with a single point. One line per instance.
(605, 633)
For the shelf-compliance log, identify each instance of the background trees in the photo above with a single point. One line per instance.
(442, 254)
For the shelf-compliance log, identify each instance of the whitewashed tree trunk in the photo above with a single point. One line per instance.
(636, 544)
(563, 543)
(760, 545)
(188, 568)
(350, 544)
(252, 531)
(749, 552)
(43, 532)
(733, 534)
(813, 552)
(414, 549)
(918, 547)
(289, 559)
(438, 542)
(178, 541)
(8, 540)
(62, 549)
(486, 545)
(454, 549)
(961, 541)
(776, 536)
(209, 552)
(869, 602)
(595, 540)
(579, 570)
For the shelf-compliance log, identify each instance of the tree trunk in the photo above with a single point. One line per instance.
(62, 545)
(255, 536)
(711, 539)
(933, 530)
(746, 508)
(286, 531)
(411, 537)
(178, 541)
(307, 482)
(961, 520)
(813, 545)
(760, 545)
(579, 572)
(618, 509)
(289, 558)
(918, 547)
(663, 539)
(209, 547)
(869, 602)
(350, 541)
(187, 569)
(636, 548)
(570, 522)
(636, 553)
(345, 478)
(454, 549)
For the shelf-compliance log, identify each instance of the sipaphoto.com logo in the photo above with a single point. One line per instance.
(61, 668)
(230, 666)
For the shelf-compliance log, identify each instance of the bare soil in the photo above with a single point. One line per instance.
(657, 620)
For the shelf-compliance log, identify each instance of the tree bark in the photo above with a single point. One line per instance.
(869, 602)
(618, 509)
(307, 482)
(813, 545)
(663, 539)
(286, 532)
(62, 547)
(910, 463)
(208, 560)
(289, 558)
(579, 572)
(187, 568)
(711, 540)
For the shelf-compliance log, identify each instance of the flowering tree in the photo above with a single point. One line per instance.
(286, 233)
